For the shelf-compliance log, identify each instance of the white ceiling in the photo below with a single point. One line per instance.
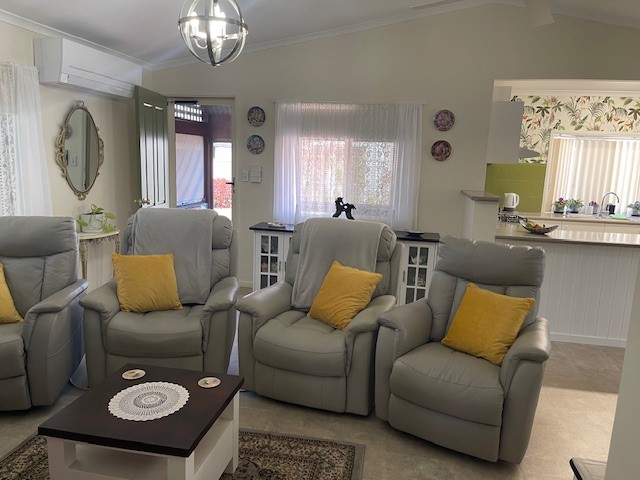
(146, 30)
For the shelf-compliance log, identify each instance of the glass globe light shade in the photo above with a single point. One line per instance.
(213, 30)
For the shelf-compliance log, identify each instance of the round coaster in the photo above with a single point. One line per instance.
(209, 382)
(134, 374)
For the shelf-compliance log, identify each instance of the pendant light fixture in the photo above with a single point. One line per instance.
(213, 30)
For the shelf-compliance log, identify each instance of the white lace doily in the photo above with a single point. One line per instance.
(148, 401)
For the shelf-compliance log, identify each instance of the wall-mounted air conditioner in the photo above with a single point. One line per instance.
(65, 63)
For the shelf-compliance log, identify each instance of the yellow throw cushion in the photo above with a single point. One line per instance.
(487, 323)
(345, 291)
(8, 312)
(146, 283)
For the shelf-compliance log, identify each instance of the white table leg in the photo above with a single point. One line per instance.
(232, 412)
(61, 455)
(179, 468)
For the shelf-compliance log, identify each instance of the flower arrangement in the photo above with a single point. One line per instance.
(635, 206)
(574, 204)
(96, 220)
(558, 205)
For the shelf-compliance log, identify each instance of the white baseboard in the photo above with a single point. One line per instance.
(607, 342)
(245, 283)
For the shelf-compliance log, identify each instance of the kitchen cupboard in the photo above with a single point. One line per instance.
(271, 247)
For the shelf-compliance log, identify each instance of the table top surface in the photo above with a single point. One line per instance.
(88, 419)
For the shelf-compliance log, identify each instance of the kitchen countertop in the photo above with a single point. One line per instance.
(514, 231)
(576, 217)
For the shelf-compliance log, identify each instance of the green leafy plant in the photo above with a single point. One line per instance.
(635, 206)
(574, 204)
(95, 210)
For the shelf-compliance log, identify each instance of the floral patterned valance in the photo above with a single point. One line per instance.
(543, 114)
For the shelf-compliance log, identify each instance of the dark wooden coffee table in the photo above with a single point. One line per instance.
(199, 441)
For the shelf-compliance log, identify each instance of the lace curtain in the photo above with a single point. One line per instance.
(587, 166)
(24, 181)
(369, 154)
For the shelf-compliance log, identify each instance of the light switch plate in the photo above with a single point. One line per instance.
(245, 175)
(255, 174)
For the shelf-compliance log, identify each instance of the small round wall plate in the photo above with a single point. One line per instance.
(209, 382)
(444, 120)
(441, 150)
(255, 144)
(256, 116)
(134, 374)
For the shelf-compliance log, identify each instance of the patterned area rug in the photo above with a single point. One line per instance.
(263, 456)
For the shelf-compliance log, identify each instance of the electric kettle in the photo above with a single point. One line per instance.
(511, 201)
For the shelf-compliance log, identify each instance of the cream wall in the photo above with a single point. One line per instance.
(117, 184)
(446, 61)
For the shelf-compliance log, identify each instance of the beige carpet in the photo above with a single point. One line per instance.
(263, 456)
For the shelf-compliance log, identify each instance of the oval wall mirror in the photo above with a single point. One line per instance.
(80, 150)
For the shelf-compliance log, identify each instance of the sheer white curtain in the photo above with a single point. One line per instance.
(369, 154)
(24, 181)
(586, 167)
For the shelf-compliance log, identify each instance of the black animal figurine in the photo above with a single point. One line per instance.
(344, 207)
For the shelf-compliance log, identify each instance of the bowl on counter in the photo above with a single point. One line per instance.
(536, 228)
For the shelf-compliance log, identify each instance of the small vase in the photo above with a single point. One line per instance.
(558, 209)
(95, 222)
(573, 210)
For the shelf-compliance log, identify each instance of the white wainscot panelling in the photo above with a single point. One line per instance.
(588, 291)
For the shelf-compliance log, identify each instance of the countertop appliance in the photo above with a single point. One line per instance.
(510, 202)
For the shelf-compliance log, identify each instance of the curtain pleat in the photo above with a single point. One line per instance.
(24, 179)
(587, 167)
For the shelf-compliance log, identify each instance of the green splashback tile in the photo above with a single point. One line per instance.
(527, 180)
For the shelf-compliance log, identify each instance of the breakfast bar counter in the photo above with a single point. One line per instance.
(589, 282)
(514, 231)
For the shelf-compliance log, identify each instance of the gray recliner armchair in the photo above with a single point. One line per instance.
(197, 337)
(450, 398)
(38, 356)
(287, 355)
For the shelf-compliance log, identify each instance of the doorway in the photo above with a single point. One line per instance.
(204, 156)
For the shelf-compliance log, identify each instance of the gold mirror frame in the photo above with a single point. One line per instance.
(61, 152)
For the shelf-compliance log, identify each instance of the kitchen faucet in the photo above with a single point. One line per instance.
(602, 202)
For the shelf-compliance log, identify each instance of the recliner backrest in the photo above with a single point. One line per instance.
(387, 262)
(510, 270)
(224, 263)
(39, 255)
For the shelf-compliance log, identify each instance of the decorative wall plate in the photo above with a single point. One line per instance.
(441, 150)
(256, 116)
(255, 144)
(444, 120)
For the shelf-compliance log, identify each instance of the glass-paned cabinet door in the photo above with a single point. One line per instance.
(417, 271)
(270, 257)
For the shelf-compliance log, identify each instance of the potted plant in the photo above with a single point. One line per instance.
(558, 205)
(635, 208)
(574, 205)
(96, 220)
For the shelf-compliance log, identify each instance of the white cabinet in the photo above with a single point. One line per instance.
(271, 248)
(269, 257)
(418, 260)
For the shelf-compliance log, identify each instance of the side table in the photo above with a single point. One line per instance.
(87, 238)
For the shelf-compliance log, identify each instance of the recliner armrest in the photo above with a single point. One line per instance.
(367, 319)
(265, 304)
(103, 300)
(412, 325)
(59, 300)
(533, 344)
(223, 295)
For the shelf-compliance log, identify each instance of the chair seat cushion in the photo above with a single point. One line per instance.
(163, 334)
(296, 342)
(436, 377)
(12, 355)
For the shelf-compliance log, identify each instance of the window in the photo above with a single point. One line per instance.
(589, 165)
(368, 154)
